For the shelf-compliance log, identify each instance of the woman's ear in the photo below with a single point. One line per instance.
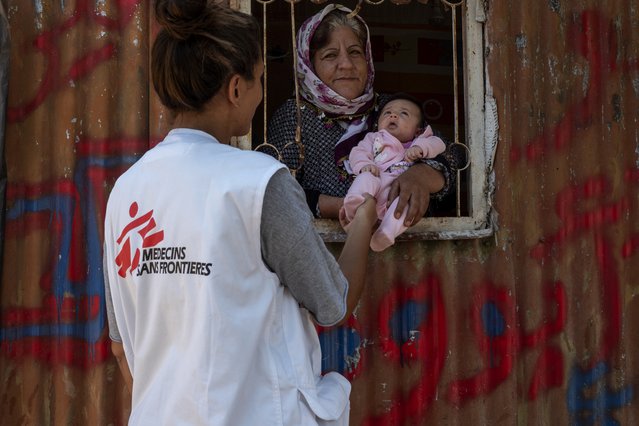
(233, 89)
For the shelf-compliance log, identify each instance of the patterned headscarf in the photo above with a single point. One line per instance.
(315, 90)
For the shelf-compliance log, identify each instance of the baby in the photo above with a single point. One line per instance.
(381, 156)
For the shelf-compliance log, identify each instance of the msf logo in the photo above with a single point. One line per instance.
(127, 260)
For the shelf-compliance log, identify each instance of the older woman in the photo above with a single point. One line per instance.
(335, 72)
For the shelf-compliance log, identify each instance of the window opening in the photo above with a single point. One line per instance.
(431, 49)
(264, 145)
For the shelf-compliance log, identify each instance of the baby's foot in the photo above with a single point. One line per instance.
(381, 241)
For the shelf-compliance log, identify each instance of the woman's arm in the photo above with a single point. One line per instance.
(354, 257)
(116, 340)
(328, 207)
(118, 351)
(295, 252)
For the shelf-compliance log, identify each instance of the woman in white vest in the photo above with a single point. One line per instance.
(214, 272)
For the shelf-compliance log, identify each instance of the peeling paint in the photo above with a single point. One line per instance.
(586, 81)
(38, 8)
(100, 5)
(617, 111)
(491, 131)
(553, 63)
(520, 42)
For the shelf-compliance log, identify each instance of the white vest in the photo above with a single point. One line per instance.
(210, 335)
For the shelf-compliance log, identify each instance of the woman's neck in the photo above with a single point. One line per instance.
(331, 117)
(213, 119)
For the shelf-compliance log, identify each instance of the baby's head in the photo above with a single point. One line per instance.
(402, 117)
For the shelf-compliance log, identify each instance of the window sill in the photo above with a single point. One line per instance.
(427, 229)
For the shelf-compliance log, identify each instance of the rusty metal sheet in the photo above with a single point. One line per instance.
(536, 325)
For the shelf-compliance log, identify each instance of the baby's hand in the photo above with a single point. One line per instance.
(374, 170)
(413, 153)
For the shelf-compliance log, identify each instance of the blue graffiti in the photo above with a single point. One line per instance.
(494, 326)
(596, 409)
(62, 207)
(340, 349)
(493, 320)
(406, 321)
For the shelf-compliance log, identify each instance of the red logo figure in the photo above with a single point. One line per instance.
(126, 260)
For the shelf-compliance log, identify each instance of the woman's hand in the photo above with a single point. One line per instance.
(413, 187)
(368, 211)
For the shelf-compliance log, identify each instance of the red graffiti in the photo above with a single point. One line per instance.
(595, 39)
(631, 245)
(585, 208)
(576, 220)
(426, 347)
(68, 325)
(549, 371)
(611, 298)
(49, 44)
(497, 347)
(500, 339)
(46, 220)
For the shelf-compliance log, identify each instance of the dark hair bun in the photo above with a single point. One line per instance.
(179, 17)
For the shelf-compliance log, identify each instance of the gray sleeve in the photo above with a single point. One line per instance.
(114, 333)
(295, 252)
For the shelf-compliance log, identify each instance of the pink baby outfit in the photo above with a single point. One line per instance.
(387, 153)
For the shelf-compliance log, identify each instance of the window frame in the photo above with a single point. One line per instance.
(481, 140)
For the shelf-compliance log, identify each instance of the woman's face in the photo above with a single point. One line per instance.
(253, 96)
(341, 64)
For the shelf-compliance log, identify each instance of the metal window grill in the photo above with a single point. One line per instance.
(453, 6)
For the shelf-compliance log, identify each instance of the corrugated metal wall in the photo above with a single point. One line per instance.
(536, 326)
